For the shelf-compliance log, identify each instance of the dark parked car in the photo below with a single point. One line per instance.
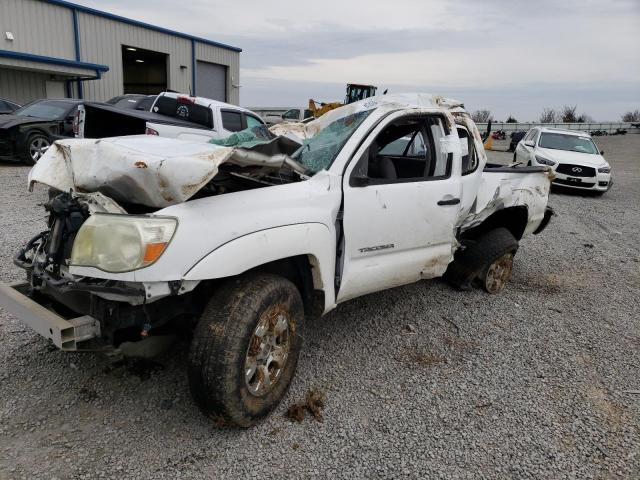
(29, 131)
(7, 106)
(133, 101)
(515, 138)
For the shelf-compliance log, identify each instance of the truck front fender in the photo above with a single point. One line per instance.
(258, 248)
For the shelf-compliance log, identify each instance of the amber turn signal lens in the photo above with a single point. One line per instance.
(153, 251)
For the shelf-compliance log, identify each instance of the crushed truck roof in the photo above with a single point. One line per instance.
(159, 172)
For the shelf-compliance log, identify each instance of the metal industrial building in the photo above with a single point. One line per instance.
(54, 49)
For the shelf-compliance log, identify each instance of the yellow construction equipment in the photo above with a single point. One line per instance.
(355, 92)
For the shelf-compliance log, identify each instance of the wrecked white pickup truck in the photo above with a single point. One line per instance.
(238, 244)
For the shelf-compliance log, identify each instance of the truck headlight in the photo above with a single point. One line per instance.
(121, 243)
(545, 161)
(604, 170)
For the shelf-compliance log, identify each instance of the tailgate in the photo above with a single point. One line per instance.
(102, 121)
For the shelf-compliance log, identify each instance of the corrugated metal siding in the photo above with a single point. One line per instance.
(209, 53)
(45, 29)
(22, 86)
(38, 27)
(101, 40)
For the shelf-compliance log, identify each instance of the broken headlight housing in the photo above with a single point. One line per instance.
(121, 243)
(545, 161)
(606, 169)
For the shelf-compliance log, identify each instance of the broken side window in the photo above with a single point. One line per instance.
(469, 154)
(405, 151)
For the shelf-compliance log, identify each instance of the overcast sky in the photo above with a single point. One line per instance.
(511, 57)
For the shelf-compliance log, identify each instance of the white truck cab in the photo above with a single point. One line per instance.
(172, 115)
(242, 244)
(219, 119)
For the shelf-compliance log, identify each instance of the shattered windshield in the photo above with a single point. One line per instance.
(319, 152)
(572, 143)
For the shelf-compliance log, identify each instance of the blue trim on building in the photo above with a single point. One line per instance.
(76, 44)
(118, 18)
(193, 67)
(54, 61)
(76, 34)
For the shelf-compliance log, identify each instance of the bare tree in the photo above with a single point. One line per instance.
(481, 116)
(511, 120)
(548, 115)
(631, 116)
(568, 114)
(584, 118)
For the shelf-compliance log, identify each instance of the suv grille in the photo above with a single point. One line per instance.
(560, 181)
(576, 170)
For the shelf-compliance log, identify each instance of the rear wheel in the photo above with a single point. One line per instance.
(495, 276)
(486, 261)
(245, 349)
(36, 145)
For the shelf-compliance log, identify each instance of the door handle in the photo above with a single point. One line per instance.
(450, 201)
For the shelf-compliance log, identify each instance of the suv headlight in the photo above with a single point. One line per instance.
(604, 169)
(545, 161)
(121, 243)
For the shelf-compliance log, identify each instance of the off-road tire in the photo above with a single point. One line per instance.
(27, 157)
(470, 265)
(220, 345)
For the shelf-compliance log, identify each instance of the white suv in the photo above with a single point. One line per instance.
(573, 155)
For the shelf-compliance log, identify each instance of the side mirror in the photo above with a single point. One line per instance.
(529, 143)
(70, 119)
(359, 181)
(601, 152)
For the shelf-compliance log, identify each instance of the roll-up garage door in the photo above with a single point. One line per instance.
(211, 81)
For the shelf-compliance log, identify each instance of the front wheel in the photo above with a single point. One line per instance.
(245, 348)
(36, 145)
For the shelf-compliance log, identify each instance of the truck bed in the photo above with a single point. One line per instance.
(101, 121)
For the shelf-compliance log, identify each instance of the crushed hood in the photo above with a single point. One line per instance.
(142, 169)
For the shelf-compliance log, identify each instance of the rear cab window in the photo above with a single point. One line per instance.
(184, 109)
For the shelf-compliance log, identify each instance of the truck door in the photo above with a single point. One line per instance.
(401, 203)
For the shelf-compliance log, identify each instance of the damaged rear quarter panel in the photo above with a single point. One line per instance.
(500, 190)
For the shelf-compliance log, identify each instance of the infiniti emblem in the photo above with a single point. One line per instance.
(576, 169)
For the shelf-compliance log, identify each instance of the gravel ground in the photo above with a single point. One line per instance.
(541, 381)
